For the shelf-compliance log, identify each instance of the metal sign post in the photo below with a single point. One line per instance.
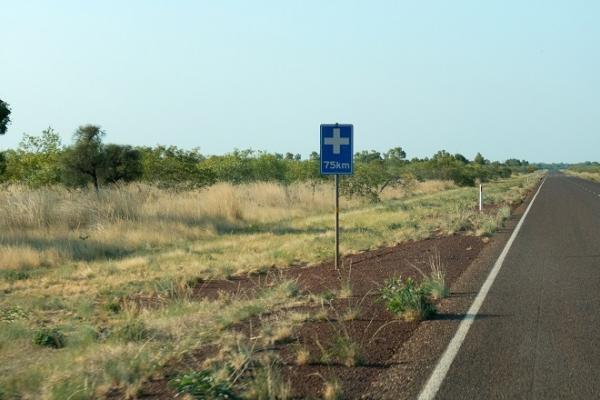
(337, 159)
(337, 221)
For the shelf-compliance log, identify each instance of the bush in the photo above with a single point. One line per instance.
(406, 299)
(49, 337)
(202, 385)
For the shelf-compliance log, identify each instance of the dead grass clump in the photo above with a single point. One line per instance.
(332, 390)
(23, 257)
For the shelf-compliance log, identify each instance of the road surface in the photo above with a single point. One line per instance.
(537, 334)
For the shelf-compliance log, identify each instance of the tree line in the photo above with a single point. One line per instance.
(89, 161)
(44, 160)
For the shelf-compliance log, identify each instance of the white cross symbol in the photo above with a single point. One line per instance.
(336, 141)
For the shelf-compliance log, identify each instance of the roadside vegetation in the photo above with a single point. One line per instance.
(98, 289)
(589, 171)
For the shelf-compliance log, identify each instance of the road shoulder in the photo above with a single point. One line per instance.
(418, 356)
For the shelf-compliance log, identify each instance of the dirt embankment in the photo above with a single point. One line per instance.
(377, 332)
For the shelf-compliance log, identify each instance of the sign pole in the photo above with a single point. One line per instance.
(337, 221)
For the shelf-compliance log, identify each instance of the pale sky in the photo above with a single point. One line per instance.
(507, 78)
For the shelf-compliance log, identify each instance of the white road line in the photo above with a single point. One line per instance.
(438, 375)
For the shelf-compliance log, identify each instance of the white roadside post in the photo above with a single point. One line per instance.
(480, 197)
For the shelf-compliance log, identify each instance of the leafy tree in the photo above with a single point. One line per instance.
(122, 163)
(4, 117)
(367, 156)
(461, 158)
(170, 166)
(479, 159)
(235, 167)
(395, 154)
(85, 160)
(36, 161)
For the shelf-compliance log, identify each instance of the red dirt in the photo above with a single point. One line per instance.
(377, 332)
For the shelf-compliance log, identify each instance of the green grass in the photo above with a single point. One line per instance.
(407, 299)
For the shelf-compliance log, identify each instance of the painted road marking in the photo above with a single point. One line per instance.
(438, 375)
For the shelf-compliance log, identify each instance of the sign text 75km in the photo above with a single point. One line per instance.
(336, 149)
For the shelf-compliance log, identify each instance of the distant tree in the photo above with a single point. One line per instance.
(4, 117)
(461, 158)
(171, 166)
(85, 160)
(314, 156)
(36, 161)
(479, 159)
(368, 156)
(395, 154)
(268, 167)
(289, 156)
(513, 162)
(121, 163)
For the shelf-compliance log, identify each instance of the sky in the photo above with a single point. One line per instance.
(509, 79)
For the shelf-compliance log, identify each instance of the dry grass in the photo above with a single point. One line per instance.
(94, 264)
(590, 176)
(332, 390)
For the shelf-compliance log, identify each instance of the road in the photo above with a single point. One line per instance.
(537, 334)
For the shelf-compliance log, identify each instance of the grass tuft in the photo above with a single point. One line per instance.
(133, 330)
(332, 390)
(203, 385)
(407, 299)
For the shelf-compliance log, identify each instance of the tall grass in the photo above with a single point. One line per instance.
(593, 176)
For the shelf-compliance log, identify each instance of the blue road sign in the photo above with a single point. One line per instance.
(336, 149)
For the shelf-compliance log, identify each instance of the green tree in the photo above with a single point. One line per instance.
(36, 160)
(367, 156)
(395, 154)
(4, 117)
(479, 159)
(122, 163)
(461, 158)
(85, 160)
(171, 166)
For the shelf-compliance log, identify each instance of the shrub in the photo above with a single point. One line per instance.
(406, 299)
(12, 275)
(49, 337)
(202, 385)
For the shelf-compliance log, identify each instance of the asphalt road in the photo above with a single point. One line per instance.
(537, 335)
